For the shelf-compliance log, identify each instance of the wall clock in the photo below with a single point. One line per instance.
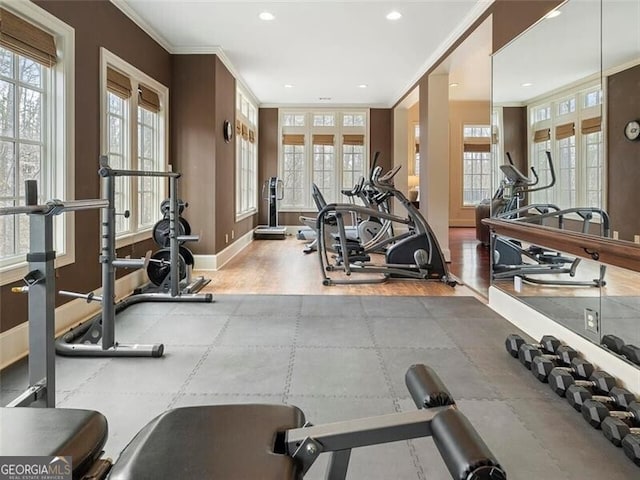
(632, 130)
(228, 131)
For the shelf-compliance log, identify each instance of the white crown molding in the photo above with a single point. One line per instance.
(479, 8)
(124, 7)
(325, 106)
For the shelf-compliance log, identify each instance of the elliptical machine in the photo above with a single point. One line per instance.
(415, 254)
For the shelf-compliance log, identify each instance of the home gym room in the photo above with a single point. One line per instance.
(466, 175)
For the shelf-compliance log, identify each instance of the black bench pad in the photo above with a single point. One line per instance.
(80, 434)
(218, 442)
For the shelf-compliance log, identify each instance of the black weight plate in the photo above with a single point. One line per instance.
(185, 226)
(187, 255)
(166, 205)
(157, 271)
(161, 232)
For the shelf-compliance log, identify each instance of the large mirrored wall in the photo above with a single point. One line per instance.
(563, 93)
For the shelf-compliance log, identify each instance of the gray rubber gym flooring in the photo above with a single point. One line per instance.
(339, 357)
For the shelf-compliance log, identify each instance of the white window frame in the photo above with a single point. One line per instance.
(246, 168)
(577, 91)
(137, 77)
(487, 174)
(308, 130)
(59, 137)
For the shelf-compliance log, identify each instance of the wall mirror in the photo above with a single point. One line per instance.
(562, 94)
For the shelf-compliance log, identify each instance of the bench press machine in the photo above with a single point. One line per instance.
(269, 442)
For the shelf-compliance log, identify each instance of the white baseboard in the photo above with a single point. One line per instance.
(14, 343)
(535, 324)
(216, 262)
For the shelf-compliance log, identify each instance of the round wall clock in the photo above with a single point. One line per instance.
(632, 130)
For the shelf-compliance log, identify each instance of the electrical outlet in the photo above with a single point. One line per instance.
(233, 234)
(636, 239)
(226, 238)
(615, 235)
(591, 321)
(517, 284)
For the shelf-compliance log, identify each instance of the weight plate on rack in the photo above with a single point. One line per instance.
(161, 232)
(166, 205)
(187, 255)
(160, 266)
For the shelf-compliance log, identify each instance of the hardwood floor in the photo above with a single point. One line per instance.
(469, 259)
(280, 267)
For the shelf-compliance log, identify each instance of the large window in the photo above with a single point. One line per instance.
(568, 126)
(246, 156)
(134, 138)
(36, 65)
(476, 164)
(327, 148)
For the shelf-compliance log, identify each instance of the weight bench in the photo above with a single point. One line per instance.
(243, 442)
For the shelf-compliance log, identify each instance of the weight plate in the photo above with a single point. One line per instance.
(160, 266)
(185, 226)
(161, 232)
(166, 204)
(187, 255)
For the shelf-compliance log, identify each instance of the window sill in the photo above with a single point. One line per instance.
(242, 216)
(17, 271)
(131, 238)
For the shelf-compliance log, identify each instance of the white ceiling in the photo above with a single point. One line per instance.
(564, 50)
(323, 48)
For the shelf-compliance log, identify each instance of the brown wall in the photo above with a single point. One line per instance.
(97, 24)
(268, 162)
(380, 133)
(193, 143)
(512, 17)
(623, 156)
(514, 133)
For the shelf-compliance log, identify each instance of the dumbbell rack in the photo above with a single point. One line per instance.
(593, 393)
(96, 337)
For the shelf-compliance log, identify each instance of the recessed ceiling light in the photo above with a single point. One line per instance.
(394, 15)
(553, 14)
(288, 85)
(454, 84)
(324, 98)
(363, 85)
(266, 16)
(527, 84)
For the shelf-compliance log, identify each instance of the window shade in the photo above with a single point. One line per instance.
(323, 139)
(542, 135)
(118, 83)
(238, 127)
(417, 148)
(245, 132)
(26, 39)
(252, 136)
(292, 139)
(148, 99)
(353, 139)
(477, 147)
(565, 131)
(591, 125)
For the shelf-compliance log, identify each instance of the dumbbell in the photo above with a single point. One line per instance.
(617, 397)
(560, 380)
(613, 343)
(632, 353)
(541, 367)
(631, 447)
(563, 356)
(616, 429)
(595, 412)
(548, 344)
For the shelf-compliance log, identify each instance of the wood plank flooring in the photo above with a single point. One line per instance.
(280, 267)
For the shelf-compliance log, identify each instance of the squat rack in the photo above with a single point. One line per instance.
(40, 285)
